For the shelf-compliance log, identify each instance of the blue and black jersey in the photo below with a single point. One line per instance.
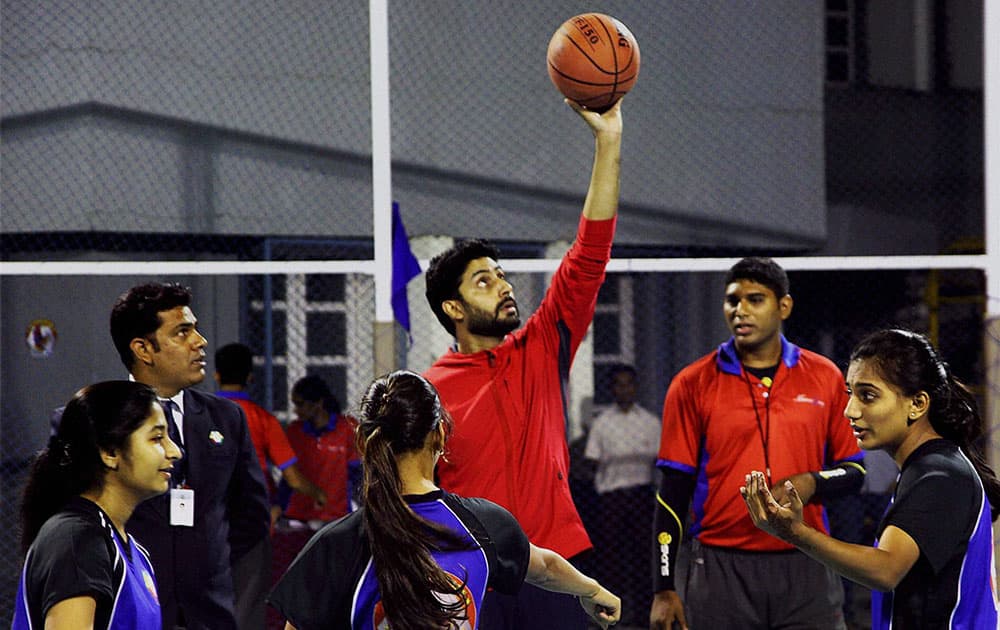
(332, 583)
(941, 504)
(78, 553)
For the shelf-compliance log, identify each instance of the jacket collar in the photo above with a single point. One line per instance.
(728, 359)
(309, 429)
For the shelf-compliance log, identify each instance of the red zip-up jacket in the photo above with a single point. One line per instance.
(509, 404)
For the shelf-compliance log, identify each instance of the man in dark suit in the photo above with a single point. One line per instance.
(217, 510)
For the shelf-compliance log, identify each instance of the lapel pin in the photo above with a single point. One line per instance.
(216, 437)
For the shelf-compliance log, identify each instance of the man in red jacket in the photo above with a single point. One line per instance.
(506, 388)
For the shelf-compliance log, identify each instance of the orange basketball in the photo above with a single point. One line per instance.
(594, 60)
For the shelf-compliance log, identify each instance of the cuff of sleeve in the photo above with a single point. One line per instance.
(595, 237)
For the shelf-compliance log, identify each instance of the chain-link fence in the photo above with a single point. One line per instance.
(240, 133)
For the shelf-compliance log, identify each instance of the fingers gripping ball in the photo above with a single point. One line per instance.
(593, 59)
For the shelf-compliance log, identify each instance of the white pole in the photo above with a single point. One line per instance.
(991, 159)
(991, 175)
(378, 13)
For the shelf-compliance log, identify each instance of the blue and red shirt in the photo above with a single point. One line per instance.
(266, 433)
(78, 553)
(325, 457)
(333, 583)
(718, 421)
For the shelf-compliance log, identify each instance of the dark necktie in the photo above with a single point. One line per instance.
(180, 466)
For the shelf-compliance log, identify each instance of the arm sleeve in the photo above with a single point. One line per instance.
(682, 430)
(71, 562)
(933, 513)
(673, 498)
(505, 543)
(279, 451)
(572, 297)
(314, 592)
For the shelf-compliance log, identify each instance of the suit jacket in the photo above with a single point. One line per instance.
(193, 564)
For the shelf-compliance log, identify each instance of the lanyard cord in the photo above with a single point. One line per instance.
(765, 436)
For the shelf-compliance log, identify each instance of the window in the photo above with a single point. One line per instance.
(840, 35)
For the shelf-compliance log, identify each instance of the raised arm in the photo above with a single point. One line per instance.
(880, 568)
(549, 570)
(602, 195)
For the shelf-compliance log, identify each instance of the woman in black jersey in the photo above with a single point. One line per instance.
(414, 556)
(931, 566)
(81, 569)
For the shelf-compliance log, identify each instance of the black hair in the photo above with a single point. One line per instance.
(234, 363)
(909, 362)
(313, 388)
(761, 270)
(444, 274)
(136, 313)
(100, 417)
(397, 414)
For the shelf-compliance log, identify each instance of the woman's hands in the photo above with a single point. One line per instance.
(777, 519)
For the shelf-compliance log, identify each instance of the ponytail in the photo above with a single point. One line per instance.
(959, 421)
(397, 414)
(56, 476)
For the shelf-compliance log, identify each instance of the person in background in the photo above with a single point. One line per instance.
(233, 372)
(251, 578)
(216, 511)
(932, 563)
(758, 401)
(323, 438)
(414, 556)
(505, 384)
(82, 568)
(623, 442)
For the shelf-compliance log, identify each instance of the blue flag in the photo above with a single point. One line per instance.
(404, 268)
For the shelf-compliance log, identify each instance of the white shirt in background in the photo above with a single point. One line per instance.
(625, 444)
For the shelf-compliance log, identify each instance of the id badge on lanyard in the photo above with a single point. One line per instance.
(182, 507)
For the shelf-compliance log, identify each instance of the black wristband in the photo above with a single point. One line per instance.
(844, 479)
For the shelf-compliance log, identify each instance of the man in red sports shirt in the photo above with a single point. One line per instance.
(505, 387)
(758, 402)
(233, 370)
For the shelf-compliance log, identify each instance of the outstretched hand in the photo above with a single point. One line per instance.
(604, 607)
(775, 518)
(609, 121)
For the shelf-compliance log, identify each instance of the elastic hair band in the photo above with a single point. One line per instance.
(60, 449)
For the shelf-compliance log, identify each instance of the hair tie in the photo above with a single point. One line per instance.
(60, 449)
